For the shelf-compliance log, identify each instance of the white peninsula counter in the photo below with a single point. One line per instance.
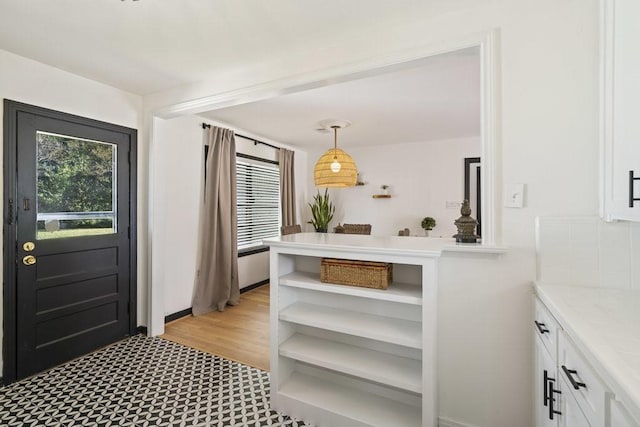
(352, 356)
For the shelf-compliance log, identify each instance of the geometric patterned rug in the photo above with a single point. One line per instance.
(143, 381)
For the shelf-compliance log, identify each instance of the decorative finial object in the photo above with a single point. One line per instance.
(466, 225)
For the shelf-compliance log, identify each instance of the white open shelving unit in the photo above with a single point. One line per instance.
(353, 356)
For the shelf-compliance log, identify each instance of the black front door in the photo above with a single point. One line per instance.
(69, 224)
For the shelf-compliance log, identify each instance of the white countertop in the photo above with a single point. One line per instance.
(400, 245)
(605, 324)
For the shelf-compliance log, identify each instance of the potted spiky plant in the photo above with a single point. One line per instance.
(322, 211)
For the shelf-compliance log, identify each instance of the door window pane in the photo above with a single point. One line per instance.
(76, 186)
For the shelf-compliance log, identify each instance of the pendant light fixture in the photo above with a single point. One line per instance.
(335, 169)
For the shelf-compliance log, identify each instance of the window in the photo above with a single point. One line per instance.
(258, 201)
(76, 186)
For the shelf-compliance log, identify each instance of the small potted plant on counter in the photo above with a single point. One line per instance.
(428, 223)
(322, 211)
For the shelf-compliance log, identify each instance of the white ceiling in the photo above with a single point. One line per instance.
(147, 46)
(438, 100)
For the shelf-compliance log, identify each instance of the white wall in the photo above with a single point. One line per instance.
(178, 161)
(548, 101)
(31, 82)
(421, 178)
(484, 340)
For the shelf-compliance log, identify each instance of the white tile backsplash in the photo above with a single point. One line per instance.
(586, 251)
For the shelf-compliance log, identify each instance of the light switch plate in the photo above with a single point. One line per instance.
(514, 196)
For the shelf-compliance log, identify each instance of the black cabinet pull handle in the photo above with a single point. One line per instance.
(546, 379)
(541, 327)
(570, 373)
(551, 392)
(632, 181)
(545, 382)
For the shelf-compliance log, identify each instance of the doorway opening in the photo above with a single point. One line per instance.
(484, 44)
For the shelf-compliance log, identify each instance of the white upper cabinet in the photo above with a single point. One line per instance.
(621, 110)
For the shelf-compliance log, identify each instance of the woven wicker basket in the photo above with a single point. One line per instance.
(365, 274)
(353, 229)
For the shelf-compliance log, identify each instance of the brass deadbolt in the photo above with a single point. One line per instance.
(28, 246)
(29, 260)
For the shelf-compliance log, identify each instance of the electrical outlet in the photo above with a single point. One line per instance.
(452, 205)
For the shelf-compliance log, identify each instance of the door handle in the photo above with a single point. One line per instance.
(29, 260)
(545, 389)
(632, 198)
(541, 327)
(551, 392)
(570, 373)
(28, 246)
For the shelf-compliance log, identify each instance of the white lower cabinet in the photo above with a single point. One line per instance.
(570, 413)
(554, 402)
(584, 383)
(546, 388)
(547, 401)
(569, 392)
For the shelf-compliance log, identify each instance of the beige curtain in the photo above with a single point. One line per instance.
(216, 283)
(287, 187)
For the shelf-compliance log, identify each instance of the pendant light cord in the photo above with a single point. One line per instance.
(335, 141)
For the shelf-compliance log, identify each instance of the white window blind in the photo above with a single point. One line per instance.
(258, 202)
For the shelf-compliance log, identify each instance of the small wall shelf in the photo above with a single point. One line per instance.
(381, 196)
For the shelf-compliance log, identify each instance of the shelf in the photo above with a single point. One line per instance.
(397, 292)
(340, 356)
(350, 403)
(389, 369)
(381, 196)
(387, 329)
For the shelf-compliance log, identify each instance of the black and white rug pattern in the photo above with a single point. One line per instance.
(143, 381)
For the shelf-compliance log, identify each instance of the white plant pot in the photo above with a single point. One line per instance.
(427, 233)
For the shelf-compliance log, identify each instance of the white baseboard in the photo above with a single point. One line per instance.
(446, 422)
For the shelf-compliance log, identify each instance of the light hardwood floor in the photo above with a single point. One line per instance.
(239, 333)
